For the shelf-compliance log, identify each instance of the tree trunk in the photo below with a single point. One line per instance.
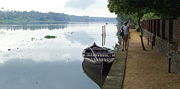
(141, 35)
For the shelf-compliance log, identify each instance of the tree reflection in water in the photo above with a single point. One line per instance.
(32, 26)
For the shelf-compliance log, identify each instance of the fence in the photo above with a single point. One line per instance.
(165, 29)
(166, 35)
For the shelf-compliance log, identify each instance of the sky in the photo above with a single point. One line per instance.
(96, 8)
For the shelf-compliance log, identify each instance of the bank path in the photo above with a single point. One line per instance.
(141, 69)
(147, 69)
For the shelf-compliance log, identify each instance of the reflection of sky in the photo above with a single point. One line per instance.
(27, 74)
(29, 50)
(81, 37)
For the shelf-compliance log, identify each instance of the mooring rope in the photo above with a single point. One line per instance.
(94, 54)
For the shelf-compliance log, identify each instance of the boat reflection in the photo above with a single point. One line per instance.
(94, 73)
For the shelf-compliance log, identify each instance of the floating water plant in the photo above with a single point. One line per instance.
(32, 38)
(49, 37)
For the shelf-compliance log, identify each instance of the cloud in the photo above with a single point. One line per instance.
(79, 4)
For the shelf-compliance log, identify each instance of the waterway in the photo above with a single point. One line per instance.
(30, 61)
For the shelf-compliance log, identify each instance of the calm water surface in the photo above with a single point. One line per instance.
(30, 61)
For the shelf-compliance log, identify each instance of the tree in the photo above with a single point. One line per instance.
(138, 8)
(128, 7)
(167, 8)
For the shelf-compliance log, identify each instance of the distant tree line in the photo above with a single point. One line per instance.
(50, 17)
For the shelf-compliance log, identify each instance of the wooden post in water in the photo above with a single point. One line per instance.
(103, 35)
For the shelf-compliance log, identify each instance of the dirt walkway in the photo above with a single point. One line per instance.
(147, 69)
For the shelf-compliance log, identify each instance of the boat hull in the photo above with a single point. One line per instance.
(101, 67)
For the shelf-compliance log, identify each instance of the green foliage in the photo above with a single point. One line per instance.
(126, 8)
(139, 8)
(150, 16)
(167, 8)
(149, 9)
(51, 17)
(124, 17)
(49, 37)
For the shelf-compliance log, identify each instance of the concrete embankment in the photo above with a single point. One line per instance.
(115, 77)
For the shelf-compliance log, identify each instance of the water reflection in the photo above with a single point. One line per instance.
(48, 63)
(81, 37)
(94, 72)
(32, 26)
(27, 74)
